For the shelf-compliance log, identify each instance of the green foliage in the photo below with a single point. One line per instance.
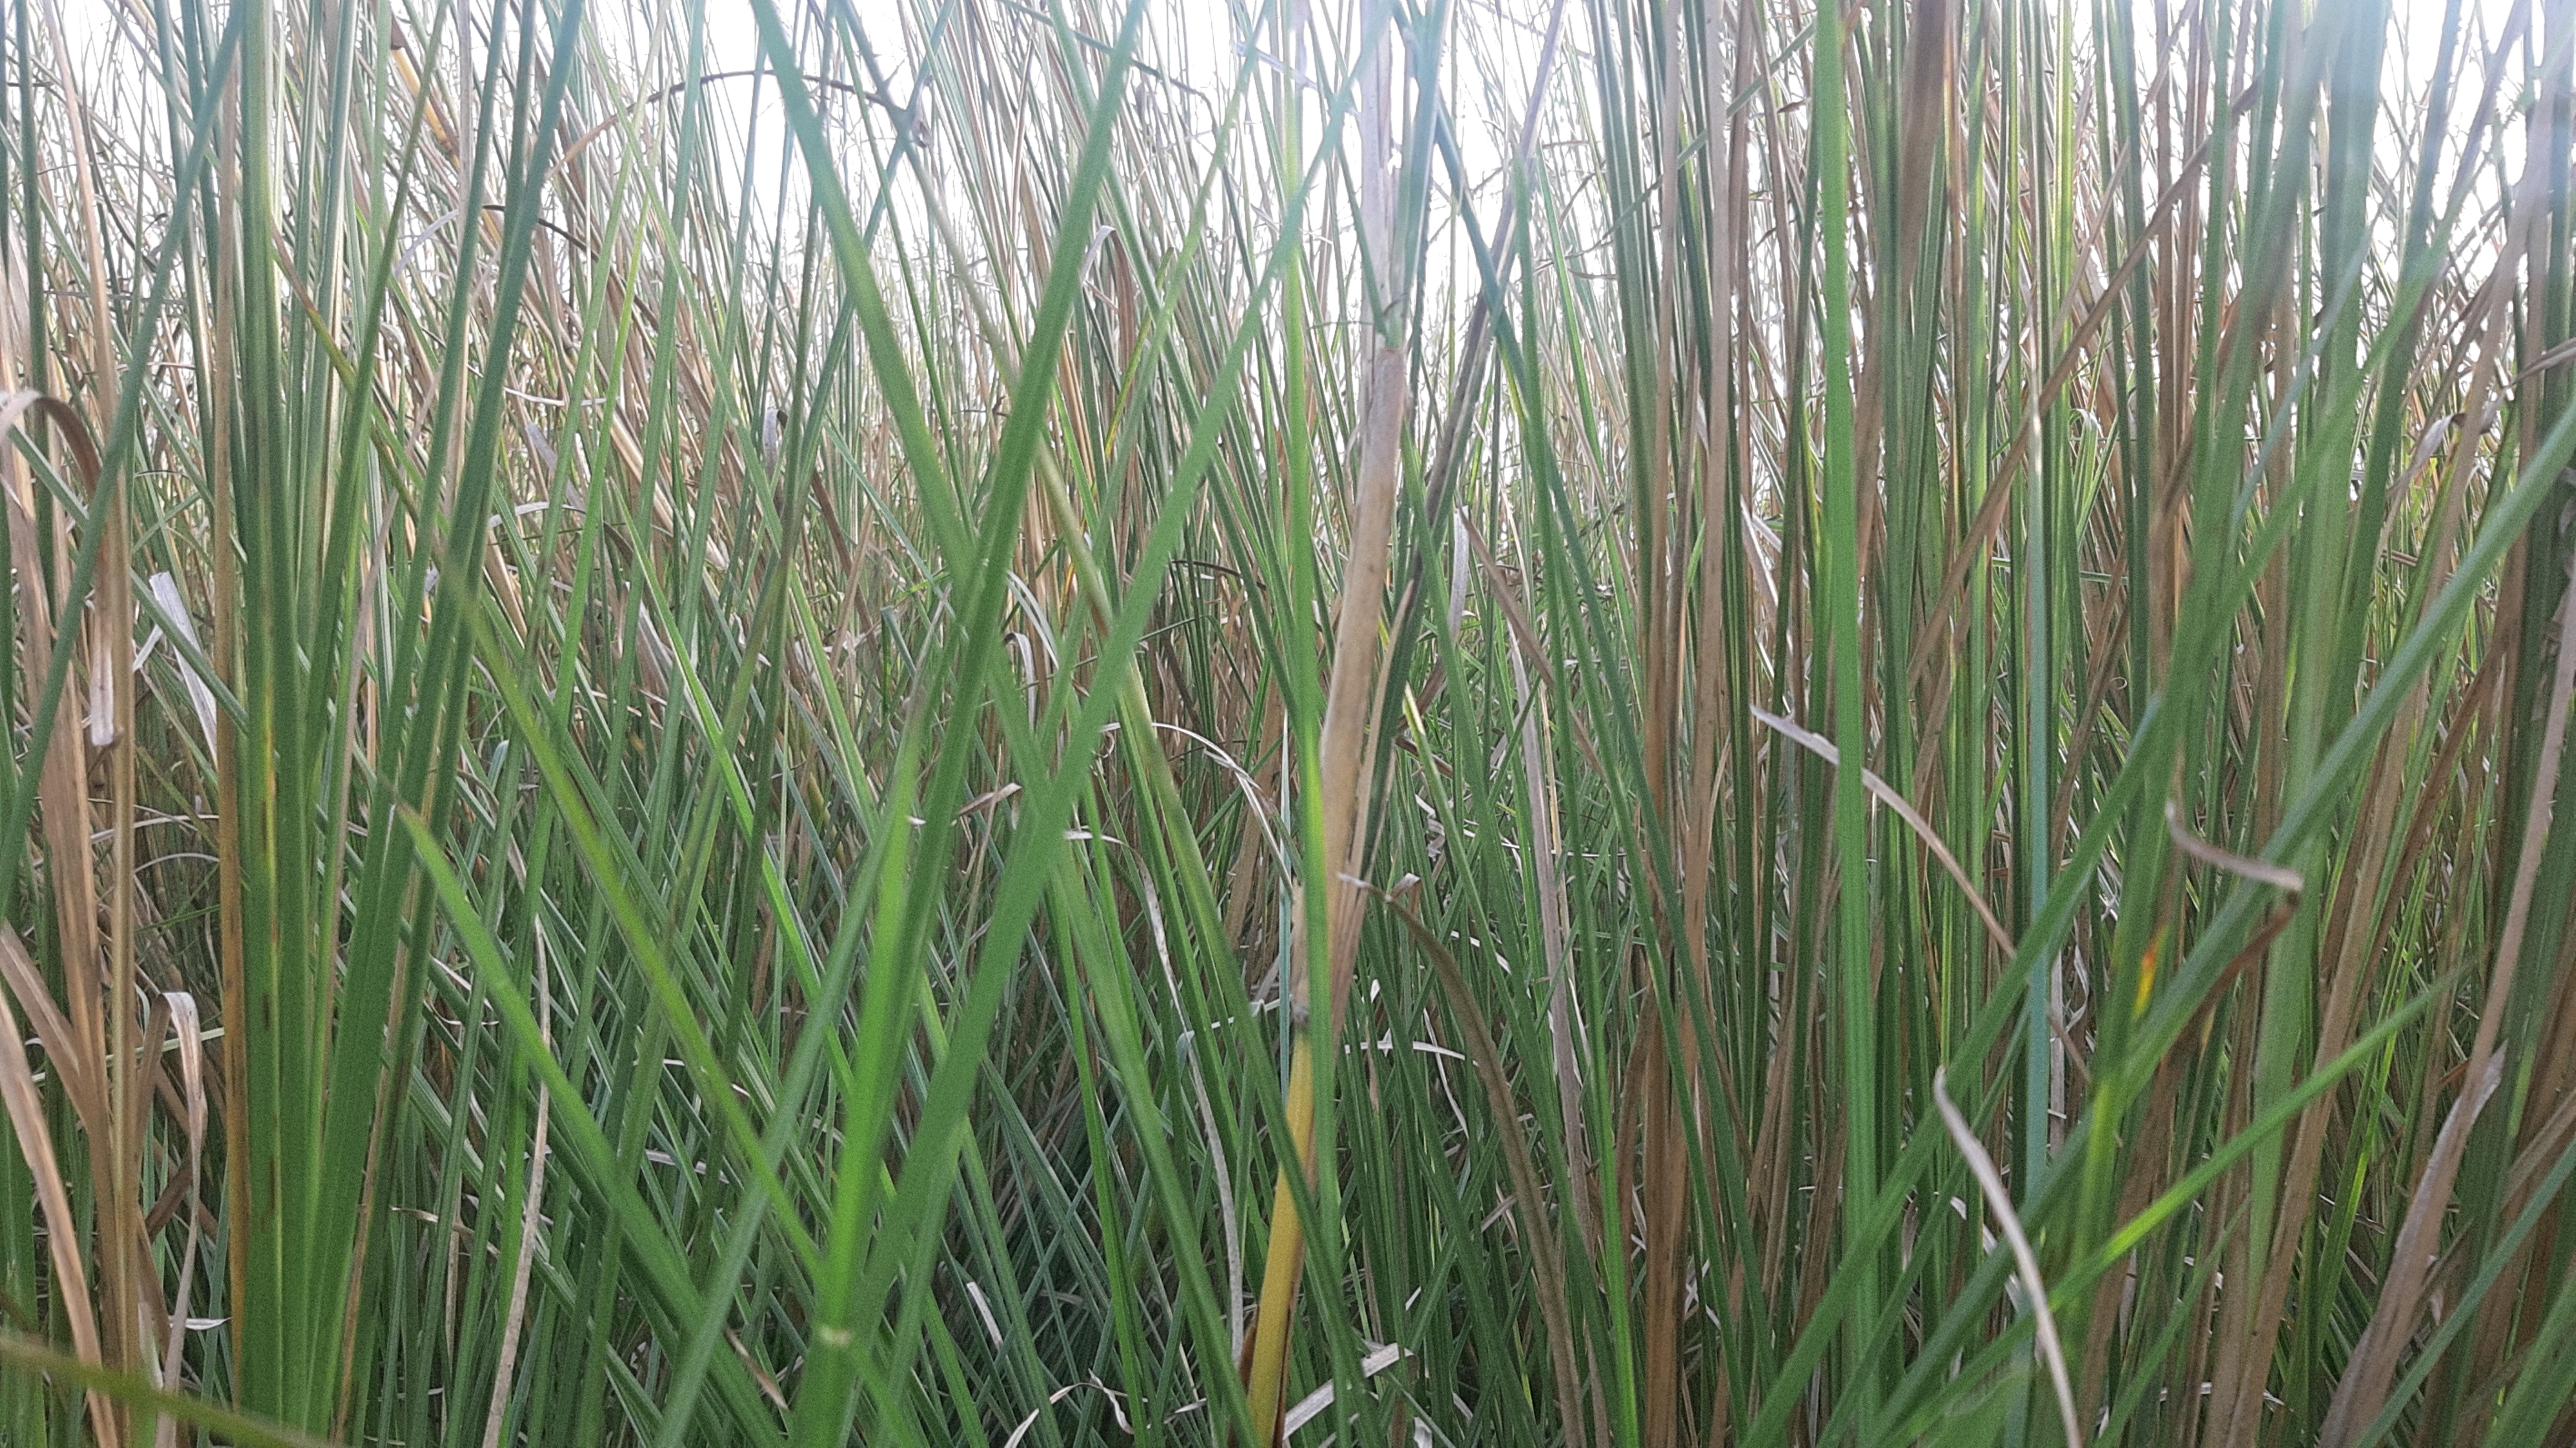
(729, 724)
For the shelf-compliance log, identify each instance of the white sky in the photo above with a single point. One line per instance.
(1192, 40)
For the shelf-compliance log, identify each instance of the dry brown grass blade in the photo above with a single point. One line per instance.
(2365, 1384)
(74, 1070)
(2364, 1388)
(26, 1110)
(1386, 408)
(115, 580)
(90, 1039)
(1350, 703)
(1350, 695)
(101, 991)
(63, 784)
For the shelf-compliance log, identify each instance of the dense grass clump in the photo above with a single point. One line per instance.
(1406, 722)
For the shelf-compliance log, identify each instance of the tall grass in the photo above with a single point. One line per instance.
(1418, 723)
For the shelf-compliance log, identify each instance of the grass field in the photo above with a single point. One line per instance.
(1412, 722)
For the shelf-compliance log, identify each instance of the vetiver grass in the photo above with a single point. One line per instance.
(1405, 723)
